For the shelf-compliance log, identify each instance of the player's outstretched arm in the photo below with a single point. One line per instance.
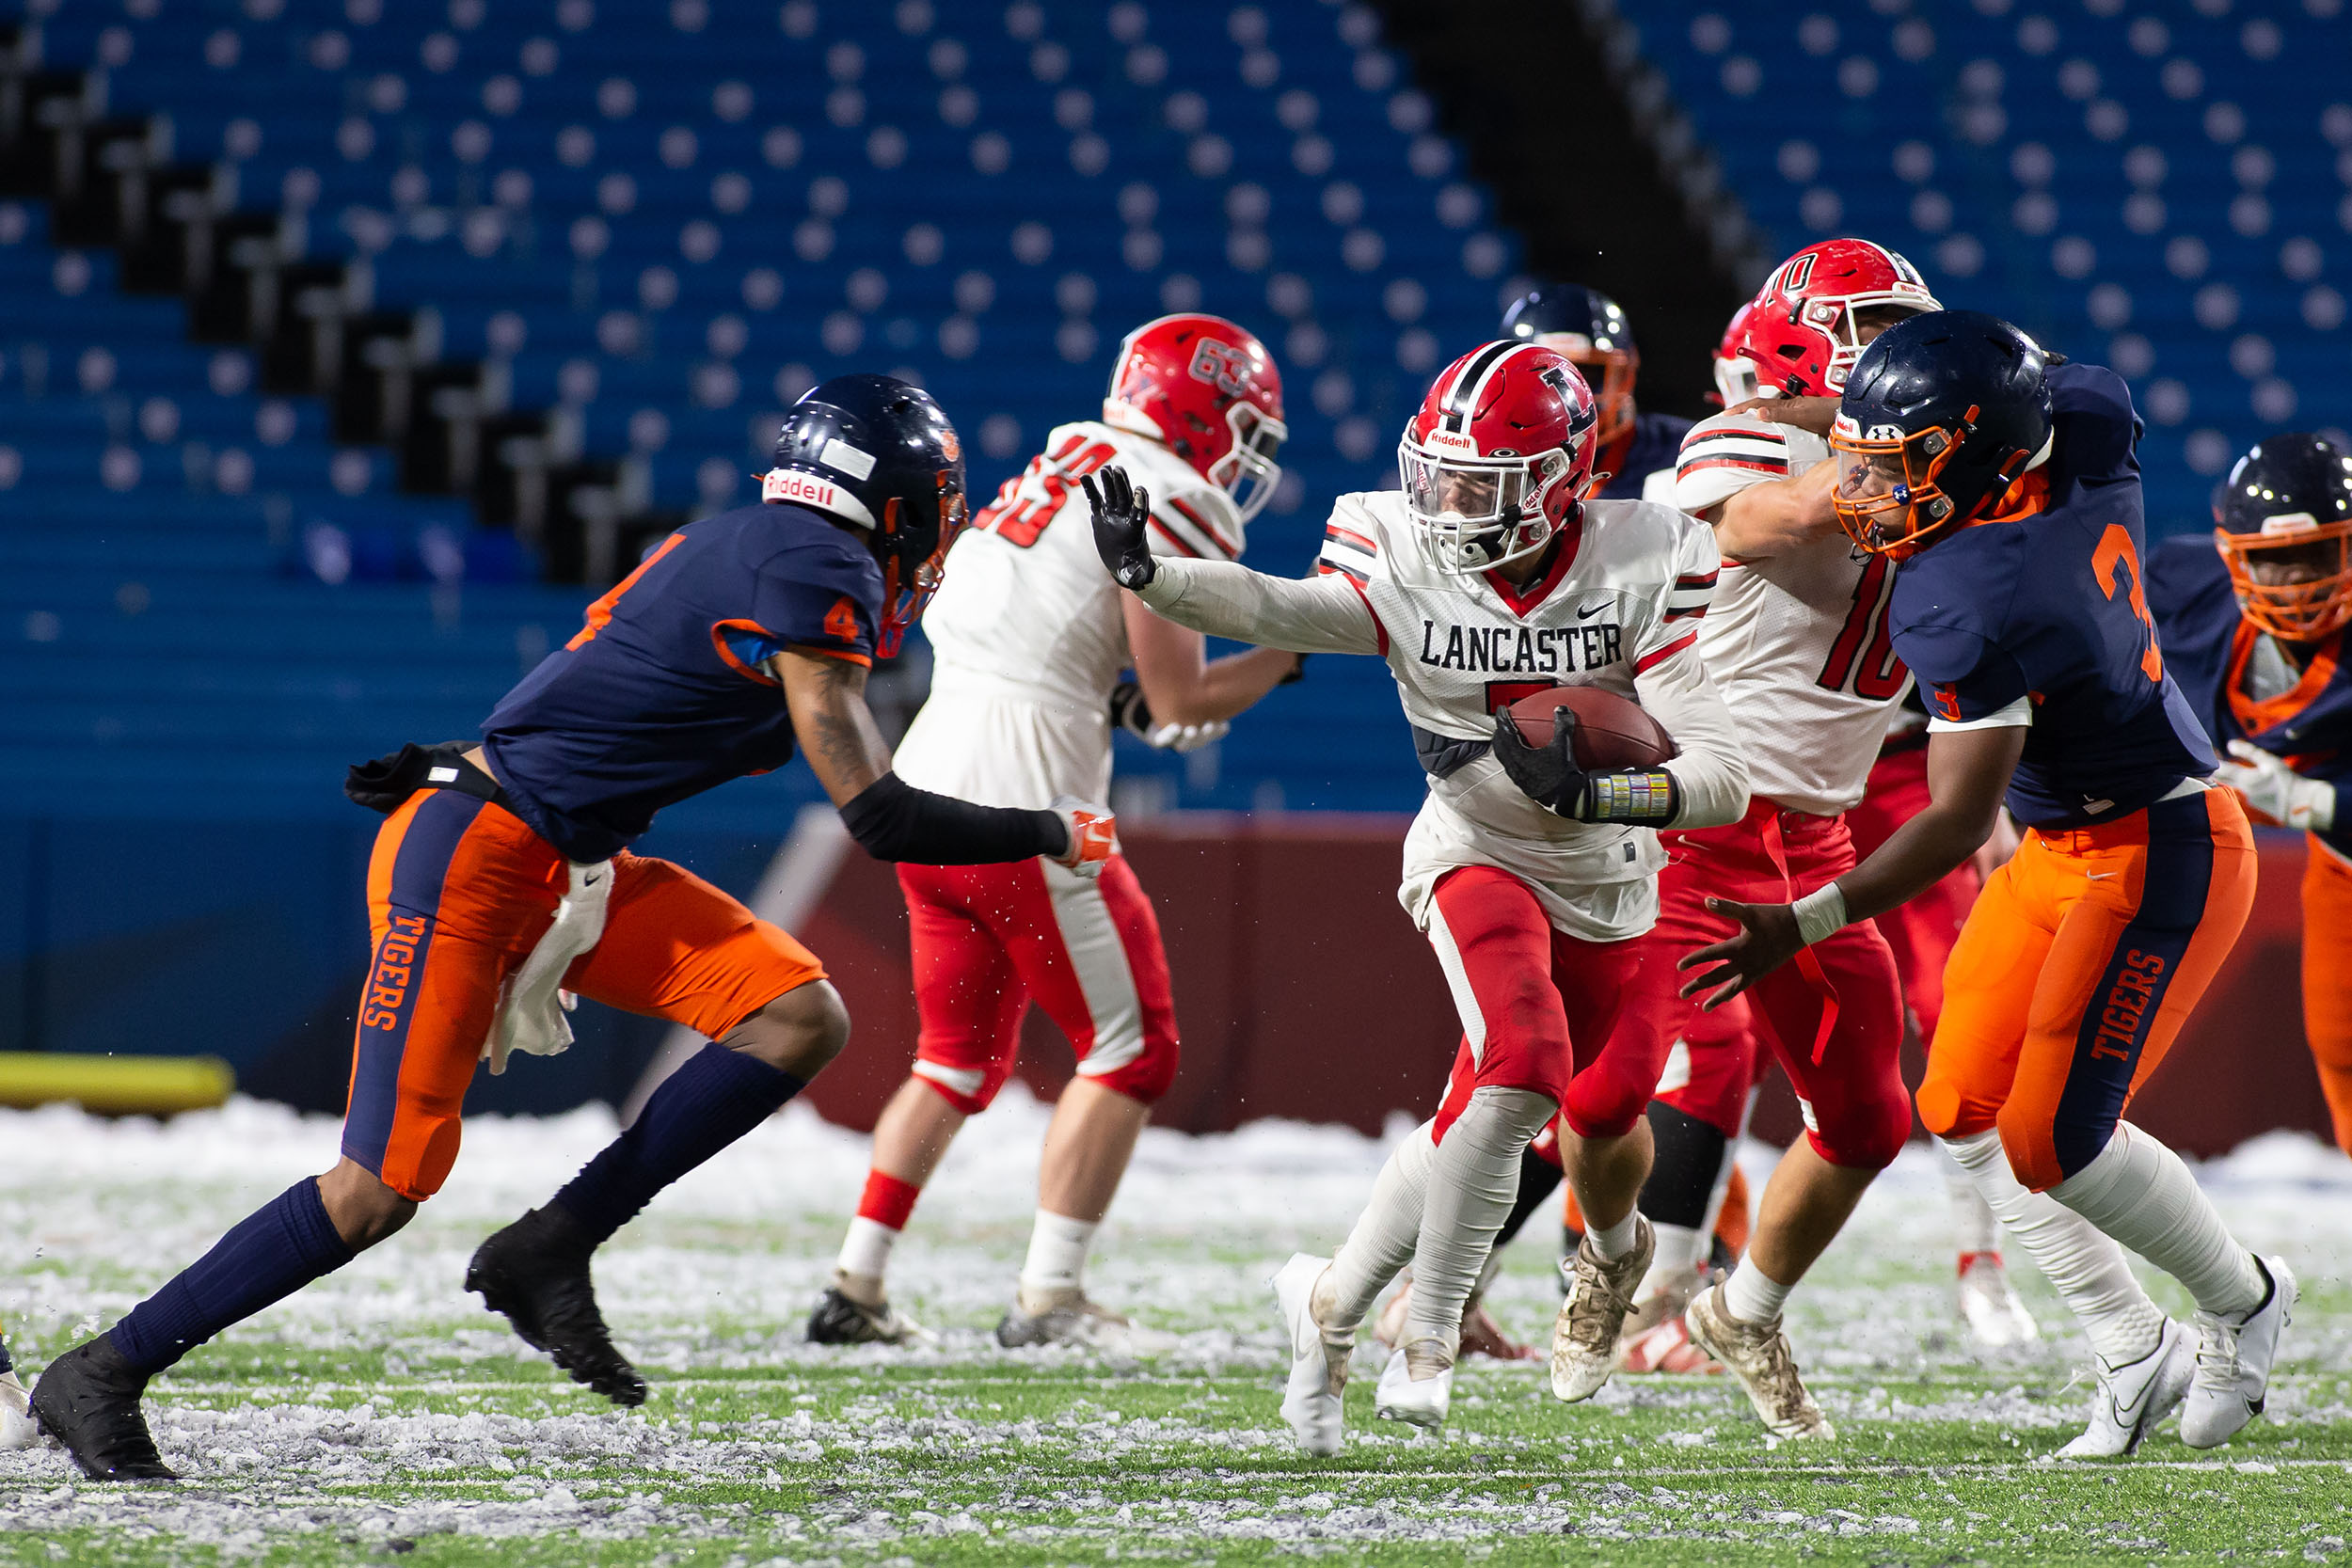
(1777, 515)
(890, 818)
(1316, 615)
(1968, 772)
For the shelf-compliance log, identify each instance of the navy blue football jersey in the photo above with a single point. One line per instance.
(2208, 647)
(662, 695)
(2049, 604)
(1656, 444)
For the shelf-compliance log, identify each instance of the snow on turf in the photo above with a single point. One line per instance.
(709, 1290)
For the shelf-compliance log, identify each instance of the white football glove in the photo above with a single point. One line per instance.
(2277, 791)
(1093, 835)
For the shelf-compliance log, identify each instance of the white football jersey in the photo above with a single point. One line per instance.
(1797, 644)
(1620, 611)
(1028, 631)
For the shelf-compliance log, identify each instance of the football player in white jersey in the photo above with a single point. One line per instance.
(1030, 638)
(1483, 581)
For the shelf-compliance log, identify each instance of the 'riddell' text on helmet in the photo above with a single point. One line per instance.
(878, 455)
(1495, 460)
(1208, 390)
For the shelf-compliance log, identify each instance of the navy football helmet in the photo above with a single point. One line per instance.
(1940, 415)
(878, 454)
(2284, 526)
(1588, 329)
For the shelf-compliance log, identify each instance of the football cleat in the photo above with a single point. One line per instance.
(843, 1320)
(1058, 1317)
(2234, 1355)
(1313, 1396)
(17, 1429)
(1758, 1355)
(88, 1400)
(1584, 1335)
(2134, 1397)
(1989, 1305)
(535, 1273)
(1416, 1384)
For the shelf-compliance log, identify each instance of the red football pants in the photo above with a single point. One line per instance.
(1543, 1010)
(1834, 1017)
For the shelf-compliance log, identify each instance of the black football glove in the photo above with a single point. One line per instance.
(1121, 513)
(1551, 777)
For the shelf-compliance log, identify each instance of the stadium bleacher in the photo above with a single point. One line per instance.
(2147, 185)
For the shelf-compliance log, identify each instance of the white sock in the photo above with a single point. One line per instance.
(1753, 1297)
(1382, 1241)
(865, 1250)
(1474, 1180)
(2139, 1191)
(1612, 1242)
(2089, 1271)
(1676, 1260)
(1975, 1227)
(1058, 1252)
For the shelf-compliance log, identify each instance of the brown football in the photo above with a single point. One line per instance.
(1611, 731)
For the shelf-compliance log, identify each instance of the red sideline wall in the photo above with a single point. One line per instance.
(1303, 990)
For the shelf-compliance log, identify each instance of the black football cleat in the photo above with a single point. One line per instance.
(88, 1400)
(535, 1272)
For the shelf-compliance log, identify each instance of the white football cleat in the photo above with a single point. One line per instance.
(1584, 1335)
(2132, 1397)
(1416, 1384)
(1989, 1305)
(1313, 1398)
(17, 1428)
(1758, 1355)
(2234, 1361)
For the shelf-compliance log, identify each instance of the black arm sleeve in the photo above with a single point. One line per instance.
(892, 820)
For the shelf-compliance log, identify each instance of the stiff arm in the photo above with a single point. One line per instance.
(1301, 615)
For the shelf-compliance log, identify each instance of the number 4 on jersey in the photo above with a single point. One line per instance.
(1025, 506)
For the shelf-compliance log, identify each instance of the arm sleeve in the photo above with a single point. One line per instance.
(1323, 614)
(892, 820)
(1725, 454)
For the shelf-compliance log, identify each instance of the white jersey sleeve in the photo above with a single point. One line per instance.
(1723, 455)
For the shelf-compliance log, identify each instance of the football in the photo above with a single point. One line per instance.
(1611, 731)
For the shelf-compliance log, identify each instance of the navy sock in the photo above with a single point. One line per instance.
(716, 1097)
(279, 1248)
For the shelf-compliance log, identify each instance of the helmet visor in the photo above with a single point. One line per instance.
(2293, 583)
(1470, 514)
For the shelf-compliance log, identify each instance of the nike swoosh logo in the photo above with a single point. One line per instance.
(1587, 614)
(2098, 876)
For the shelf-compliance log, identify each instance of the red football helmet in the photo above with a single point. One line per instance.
(1208, 390)
(1496, 457)
(1803, 336)
(1735, 372)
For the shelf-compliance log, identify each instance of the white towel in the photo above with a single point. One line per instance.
(532, 1001)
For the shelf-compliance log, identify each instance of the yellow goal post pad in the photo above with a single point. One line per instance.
(114, 1086)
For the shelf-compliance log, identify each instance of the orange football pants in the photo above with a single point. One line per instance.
(2075, 970)
(2327, 980)
(459, 892)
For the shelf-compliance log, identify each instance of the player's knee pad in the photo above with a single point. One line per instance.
(1607, 1098)
(969, 1089)
(1863, 1132)
(2032, 1153)
(1146, 1075)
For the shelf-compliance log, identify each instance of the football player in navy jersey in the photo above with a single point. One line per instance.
(16, 1421)
(1589, 329)
(2253, 632)
(502, 880)
(2007, 488)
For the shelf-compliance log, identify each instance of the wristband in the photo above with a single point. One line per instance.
(1820, 914)
(1637, 796)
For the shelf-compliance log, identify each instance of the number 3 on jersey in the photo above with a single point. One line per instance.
(1025, 505)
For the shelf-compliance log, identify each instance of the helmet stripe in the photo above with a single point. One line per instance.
(1461, 399)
